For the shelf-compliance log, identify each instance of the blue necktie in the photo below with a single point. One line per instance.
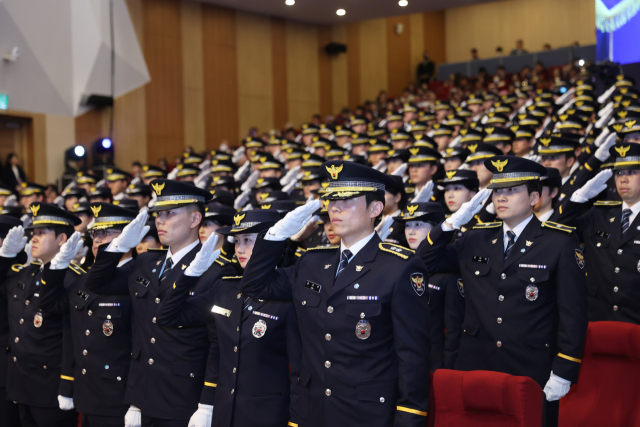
(167, 269)
(626, 213)
(512, 241)
(344, 260)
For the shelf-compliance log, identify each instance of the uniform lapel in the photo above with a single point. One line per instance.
(154, 276)
(496, 243)
(616, 224)
(178, 269)
(357, 267)
(528, 235)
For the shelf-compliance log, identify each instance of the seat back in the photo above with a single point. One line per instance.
(481, 398)
(608, 389)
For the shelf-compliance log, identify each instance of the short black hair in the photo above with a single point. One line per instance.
(534, 187)
(62, 229)
(378, 196)
(197, 207)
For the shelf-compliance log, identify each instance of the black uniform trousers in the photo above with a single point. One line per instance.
(33, 416)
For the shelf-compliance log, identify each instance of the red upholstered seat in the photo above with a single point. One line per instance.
(608, 388)
(483, 398)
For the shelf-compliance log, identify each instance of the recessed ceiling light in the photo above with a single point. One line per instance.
(340, 12)
(290, 2)
(403, 3)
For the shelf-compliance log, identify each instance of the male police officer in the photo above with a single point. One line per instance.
(525, 308)
(167, 366)
(363, 310)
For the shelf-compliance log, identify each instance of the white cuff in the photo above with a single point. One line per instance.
(113, 248)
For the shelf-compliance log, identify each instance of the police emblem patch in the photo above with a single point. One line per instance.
(259, 329)
(37, 320)
(417, 281)
(579, 258)
(461, 287)
(531, 292)
(107, 328)
(363, 330)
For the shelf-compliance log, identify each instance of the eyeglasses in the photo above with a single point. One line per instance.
(101, 234)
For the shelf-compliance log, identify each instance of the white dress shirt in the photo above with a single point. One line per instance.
(517, 230)
(178, 255)
(124, 261)
(356, 247)
(634, 211)
(545, 216)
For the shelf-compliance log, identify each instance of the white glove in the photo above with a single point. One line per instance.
(606, 109)
(468, 210)
(293, 222)
(384, 228)
(12, 200)
(602, 153)
(173, 174)
(290, 186)
(238, 154)
(202, 417)
(26, 220)
(133, 417)
(425, 193)
(556, 387)
(603, 98)
(593, 187)
(206, 165)
(13, 243)
(381, 166)
(204, 258)
(240, 173)
(604, 120)
(59, 201)
(400, 171)
(132, 234)
(28, 249)
(67, 252)
(306, 231)
(565, 96)
(600, 139)
(491, 209)
(242, 199)
(65, 403)
(202, 179)
(251, 181)
(290, 176)
(566, 106)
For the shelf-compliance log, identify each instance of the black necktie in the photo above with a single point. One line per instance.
(512, 241)
(344, 260)
(167, 269)
(626, 213)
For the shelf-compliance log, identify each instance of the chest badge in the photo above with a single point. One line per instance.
(417, 281)
(531, 292)
(579, 258)
(528, 243)
(37, 320)
(107, 328)
(359, 267)
(612, 219)
(363, 330)
(326, 267)
(259, 329)
(461, 287)
(494, 241)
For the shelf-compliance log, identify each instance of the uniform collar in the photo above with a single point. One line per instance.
(357, 247)
(518, 228)
(181, 253)
(545, 216)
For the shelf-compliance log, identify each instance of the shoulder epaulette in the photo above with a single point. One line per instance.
(398, 250)
(607, 203)
(158, 249)
(17, 267)
(222, 260)
(557, 226)
(317, 248)
(487, 225)
(76, 269)
(300, 252)
(232, 278)
(38, 263)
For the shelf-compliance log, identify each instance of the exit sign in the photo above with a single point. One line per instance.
(4, 101)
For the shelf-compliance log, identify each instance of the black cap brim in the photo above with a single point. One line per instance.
(233, 230)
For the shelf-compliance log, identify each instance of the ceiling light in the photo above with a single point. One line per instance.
(403, 3)
(290, 2)
(340, 12)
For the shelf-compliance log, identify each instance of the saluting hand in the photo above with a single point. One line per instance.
(67, 252)
(468, 210)
(13, 243)
(132, 234)
(204, 258)
(593, 187)
(293, 222)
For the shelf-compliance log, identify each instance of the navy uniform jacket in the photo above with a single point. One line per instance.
(40, 363)
(613, 263)
(579, 177)
(101, 330)
(254, 343)
(167, 364)
(446, 310)
(523, 316)
(378, 381)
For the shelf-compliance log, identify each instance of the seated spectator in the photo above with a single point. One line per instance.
(519, 50)
(499, 51)
(474, 54)
(546, 47)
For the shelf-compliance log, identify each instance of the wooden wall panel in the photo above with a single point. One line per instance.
(279, 72)
(435, 36)
(399, 73)
(303, 86)
(325, 72)
(373, 58)
(193, 72)
(416, 33)
(164, 94)
(255, 79)
(339, 70)
(353, 63)
(488, 25)
(220, 75)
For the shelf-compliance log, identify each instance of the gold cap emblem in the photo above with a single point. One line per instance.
(158, 188)
(96, 210)
(238, 218)
(499, 165)
(34, 209)
(334, 171)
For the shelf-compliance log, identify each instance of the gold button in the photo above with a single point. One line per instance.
(617, 269)
(503, 276)
(153, 320)
(89, 312)
(501, 298)
(329, 309)
(327, 364)
(327, 392)
(477, 273)
(235, 349)
(615, 308)
(232, 390)
(21, 321)
(532, 280)
(382, 400)
(499, 320)
(499, 344)
(153, 340)
(362, 315)
(304, 303)
(15, 359)
(239, 295)
(44, 367)
(27, 302)
(157, 300)
(150, 361)
(619, 251)
(598, 244)
(17, 339)
(327, 337)
(85, 352)
(109, 316)
(234, 370)
(119, 379)
(191, 375)
(615, 289)
(546, 346)
(84, 371)
(87, 332)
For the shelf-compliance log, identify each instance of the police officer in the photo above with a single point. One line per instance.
(363, 315)
(100, 324)
(255, 341)
(40, 374)
(168, 364)
(525, 294)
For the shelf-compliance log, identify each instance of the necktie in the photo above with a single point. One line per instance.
(512, 241)
(167, 269)
(626, 213)
(344, 260)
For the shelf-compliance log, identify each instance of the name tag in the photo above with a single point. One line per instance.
(636, 242)
(312, 286)
(437, 288)
(109, 304)
(361, 298)
(603, 234)
(531, 266)
(221, 311)
(480, 259)
(82, 295)
(268, 316)
(142, 281)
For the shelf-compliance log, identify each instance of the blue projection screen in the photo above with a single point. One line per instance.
(618, 30)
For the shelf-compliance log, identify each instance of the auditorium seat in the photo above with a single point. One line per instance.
(483, 398)
(608, 389)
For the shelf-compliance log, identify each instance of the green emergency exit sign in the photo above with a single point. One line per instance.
(4, 101)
